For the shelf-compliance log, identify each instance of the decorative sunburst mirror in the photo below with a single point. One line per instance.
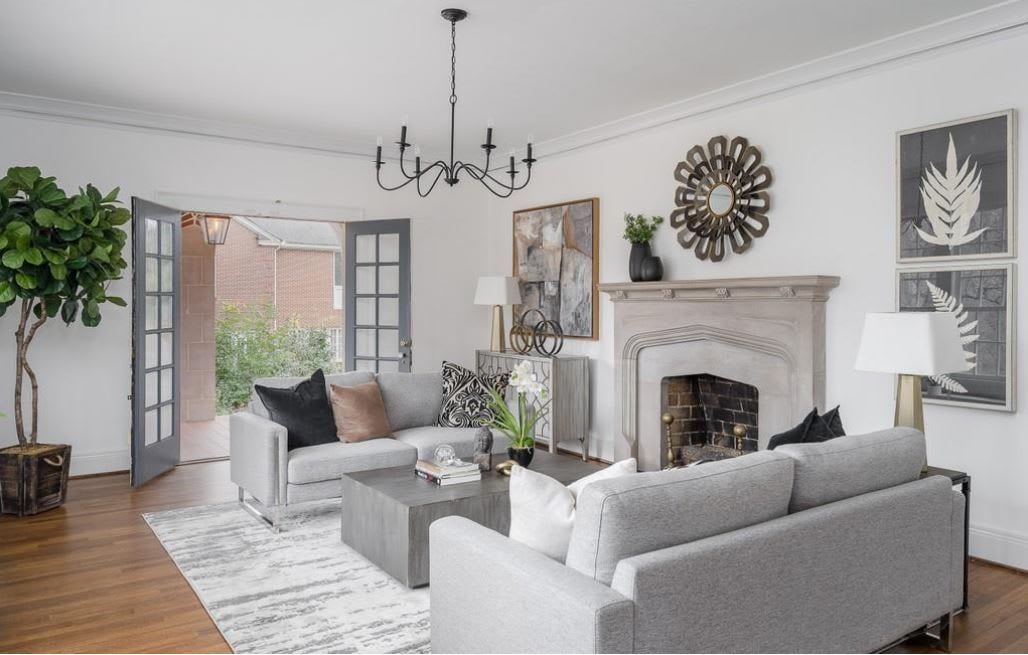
(723, 196)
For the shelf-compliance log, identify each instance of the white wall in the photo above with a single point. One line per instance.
(85, 373)
(831, 148)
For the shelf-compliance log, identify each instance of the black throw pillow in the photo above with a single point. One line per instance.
(796, 434)
(834, 421)
(813, 429)
(304, 410)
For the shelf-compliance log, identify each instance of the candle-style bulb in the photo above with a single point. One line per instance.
(489, 122)
(378, 141)
(403, 121)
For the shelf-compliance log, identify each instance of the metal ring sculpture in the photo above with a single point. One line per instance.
(723, 195)
(524, 339)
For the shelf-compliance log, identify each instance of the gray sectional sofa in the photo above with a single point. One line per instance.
(831, 547)
(276, 477)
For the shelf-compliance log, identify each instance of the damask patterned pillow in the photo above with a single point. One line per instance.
(465, 399)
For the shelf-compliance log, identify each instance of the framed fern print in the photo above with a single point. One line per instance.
(955, 190)
(982, 296)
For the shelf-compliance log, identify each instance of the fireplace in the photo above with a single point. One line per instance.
(759, 336)
(708, 410)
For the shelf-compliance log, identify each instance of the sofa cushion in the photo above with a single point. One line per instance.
(542, 510)
(466, 396)
(303, 409)
(626, 516)
(329, 461)
(411, 399)
(359, 412)
(842, 468)
(284, 382)
(426, 438)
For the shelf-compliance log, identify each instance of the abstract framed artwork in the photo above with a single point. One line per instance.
(982, 296)
(556, 262)
(956, 190)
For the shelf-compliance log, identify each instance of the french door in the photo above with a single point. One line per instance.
(377, 285)
(156, 242)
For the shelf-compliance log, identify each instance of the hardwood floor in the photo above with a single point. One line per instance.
(91, 577)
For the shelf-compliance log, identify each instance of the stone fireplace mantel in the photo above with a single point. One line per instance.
(768, 332)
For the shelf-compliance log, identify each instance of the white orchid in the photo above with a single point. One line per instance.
(519, 428)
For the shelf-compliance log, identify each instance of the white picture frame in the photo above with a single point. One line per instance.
(976, 138)
(982, 387)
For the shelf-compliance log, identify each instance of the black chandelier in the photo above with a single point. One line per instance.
(450, 171)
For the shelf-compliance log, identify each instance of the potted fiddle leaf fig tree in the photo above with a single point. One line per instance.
(58, 255)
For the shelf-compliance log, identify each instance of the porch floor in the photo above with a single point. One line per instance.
(204, 439)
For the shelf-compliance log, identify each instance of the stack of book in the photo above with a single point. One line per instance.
(447, 474)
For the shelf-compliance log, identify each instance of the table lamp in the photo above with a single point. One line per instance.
(912, 345)
(497, 290)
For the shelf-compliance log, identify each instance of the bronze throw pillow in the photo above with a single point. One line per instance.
(360, 413)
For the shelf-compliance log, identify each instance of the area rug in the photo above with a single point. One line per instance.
(299, 591)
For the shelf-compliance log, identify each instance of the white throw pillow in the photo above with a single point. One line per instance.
(542, 510)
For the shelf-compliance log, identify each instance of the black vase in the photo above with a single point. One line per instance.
(522, 456)
(640, 251)
(652, 269)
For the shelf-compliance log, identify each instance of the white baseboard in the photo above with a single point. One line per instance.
(1000, 546)
(93, 463)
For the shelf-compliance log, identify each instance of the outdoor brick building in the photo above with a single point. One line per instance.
(290, 264)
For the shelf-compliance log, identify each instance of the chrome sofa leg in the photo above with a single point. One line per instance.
(942, 632)
(272, 521)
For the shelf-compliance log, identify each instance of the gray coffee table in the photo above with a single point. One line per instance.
(386, 513)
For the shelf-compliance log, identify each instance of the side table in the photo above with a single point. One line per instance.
(964, 481)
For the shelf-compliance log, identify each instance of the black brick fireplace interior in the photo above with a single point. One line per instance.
(707, 408)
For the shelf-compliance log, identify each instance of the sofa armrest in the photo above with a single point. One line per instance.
(483, 585)
(957, 549)
(259, 455)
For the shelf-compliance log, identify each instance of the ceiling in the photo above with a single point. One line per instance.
(350, 70)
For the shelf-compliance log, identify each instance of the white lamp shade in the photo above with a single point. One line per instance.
(497, 290)
(911, 343)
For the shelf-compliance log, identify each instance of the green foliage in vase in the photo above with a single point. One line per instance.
(58, 255)
(639, 229)
(250, 343)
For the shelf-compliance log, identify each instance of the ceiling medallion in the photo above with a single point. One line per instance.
(723, 195)
(449, 171)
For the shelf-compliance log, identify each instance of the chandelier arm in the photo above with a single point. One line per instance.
(488, 181)
(378, 178)
(481, 174)
(442, 169)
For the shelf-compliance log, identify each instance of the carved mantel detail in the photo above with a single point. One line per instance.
(722, 292)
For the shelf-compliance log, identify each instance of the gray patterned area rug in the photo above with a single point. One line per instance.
(299, 591)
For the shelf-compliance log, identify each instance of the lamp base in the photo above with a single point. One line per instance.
(497, 342)
(909, 406)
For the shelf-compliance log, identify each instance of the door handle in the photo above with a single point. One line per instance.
(406, 343)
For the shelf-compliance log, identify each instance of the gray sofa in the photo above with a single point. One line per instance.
(832, 547)
(276, 477)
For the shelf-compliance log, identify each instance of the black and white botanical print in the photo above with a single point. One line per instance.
(981, 298)
(955, 190)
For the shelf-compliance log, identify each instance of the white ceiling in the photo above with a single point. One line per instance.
(350, 70)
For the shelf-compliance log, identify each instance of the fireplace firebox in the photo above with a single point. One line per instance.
(708, 417)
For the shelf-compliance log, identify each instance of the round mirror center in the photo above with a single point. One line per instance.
(721, 199)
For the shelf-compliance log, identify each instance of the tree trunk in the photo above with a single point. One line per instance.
(24, 340)
(19, 363)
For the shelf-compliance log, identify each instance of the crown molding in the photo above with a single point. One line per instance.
(81, 112)
(991, 22)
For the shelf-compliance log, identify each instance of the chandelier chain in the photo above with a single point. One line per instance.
(453, 63)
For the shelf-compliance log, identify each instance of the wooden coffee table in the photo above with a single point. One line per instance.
(387, 512)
